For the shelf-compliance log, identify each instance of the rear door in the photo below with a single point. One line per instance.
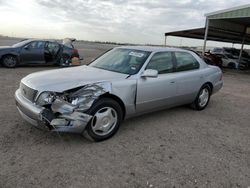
(52, 50)
(33, 52)
(189, 77)
(159, 92)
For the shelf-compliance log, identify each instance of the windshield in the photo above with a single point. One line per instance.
(20, 44)
(126, 61)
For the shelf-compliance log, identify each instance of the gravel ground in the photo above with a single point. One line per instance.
(178, 147)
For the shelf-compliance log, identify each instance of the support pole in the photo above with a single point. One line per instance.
(242, 46)
(165, 40)
(205, 37)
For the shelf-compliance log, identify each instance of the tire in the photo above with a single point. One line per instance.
(107, 117)
(64, 61)
(231, 65)
(9, 61)
(200, 102)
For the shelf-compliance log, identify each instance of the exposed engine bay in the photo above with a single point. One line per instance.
(67, 111)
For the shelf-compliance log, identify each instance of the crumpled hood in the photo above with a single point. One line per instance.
(67, 78)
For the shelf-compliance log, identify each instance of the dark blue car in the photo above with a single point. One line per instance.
(33, 51)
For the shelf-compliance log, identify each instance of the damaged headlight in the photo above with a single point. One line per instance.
(45, 98)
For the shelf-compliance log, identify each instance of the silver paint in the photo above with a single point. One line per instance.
(139, 93)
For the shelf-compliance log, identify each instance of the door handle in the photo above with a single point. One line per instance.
(172, 82)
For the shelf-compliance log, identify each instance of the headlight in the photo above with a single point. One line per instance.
(45, 98)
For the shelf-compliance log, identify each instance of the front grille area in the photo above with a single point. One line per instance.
(28, 92)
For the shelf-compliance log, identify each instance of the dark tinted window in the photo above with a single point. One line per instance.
(162, 62)
(185, 61)
(36, 45)
(53, 46)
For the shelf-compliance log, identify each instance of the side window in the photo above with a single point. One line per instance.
(40, 44)
(36, 45)
(52, 47)
(185, 61)
(161, 61)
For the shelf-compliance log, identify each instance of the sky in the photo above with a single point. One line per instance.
(126, 21)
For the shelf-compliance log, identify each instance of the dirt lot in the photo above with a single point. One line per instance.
(172, 148)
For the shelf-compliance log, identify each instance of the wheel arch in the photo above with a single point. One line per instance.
(232, 64)
(117, 99)
(7, 54)
(210, 86)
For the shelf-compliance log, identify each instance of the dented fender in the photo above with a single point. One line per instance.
(66, 113)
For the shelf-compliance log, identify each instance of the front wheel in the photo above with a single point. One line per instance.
(9, 61)
(202, 98)
(107, 117)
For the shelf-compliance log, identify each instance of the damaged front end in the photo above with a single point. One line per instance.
(67, 111)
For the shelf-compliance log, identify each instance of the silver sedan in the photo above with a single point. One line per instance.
(124, 82)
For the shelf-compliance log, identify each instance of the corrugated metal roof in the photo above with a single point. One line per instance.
(230, 25)
(214, 34)
(236, 12)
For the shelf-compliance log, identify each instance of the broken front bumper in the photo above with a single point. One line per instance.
(32, 113)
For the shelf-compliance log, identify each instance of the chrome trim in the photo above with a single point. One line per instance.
(27, 118)
(30, 112)
(27, 107)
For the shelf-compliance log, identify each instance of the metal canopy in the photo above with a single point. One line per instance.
(231, 25)
(214, 34)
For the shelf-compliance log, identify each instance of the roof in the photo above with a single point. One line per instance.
(239, 11)
(45, 40)
(214, 34)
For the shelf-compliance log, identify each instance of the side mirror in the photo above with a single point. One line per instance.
(150, 73)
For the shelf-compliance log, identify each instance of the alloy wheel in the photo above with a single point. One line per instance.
(203, 97)
(104, 121)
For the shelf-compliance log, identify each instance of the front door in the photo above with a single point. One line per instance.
(33, 52)
(159, 92)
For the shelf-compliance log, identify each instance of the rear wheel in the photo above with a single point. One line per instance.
(9, 61)
(107, 117)
(64, 60)
(232, 65)
(202, 98)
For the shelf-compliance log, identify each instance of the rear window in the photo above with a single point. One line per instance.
(185, 61)
(162, 62)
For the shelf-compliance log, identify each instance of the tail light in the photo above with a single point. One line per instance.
(74, 51)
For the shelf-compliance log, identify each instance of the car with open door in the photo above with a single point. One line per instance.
(124, 82)
(34, 51)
